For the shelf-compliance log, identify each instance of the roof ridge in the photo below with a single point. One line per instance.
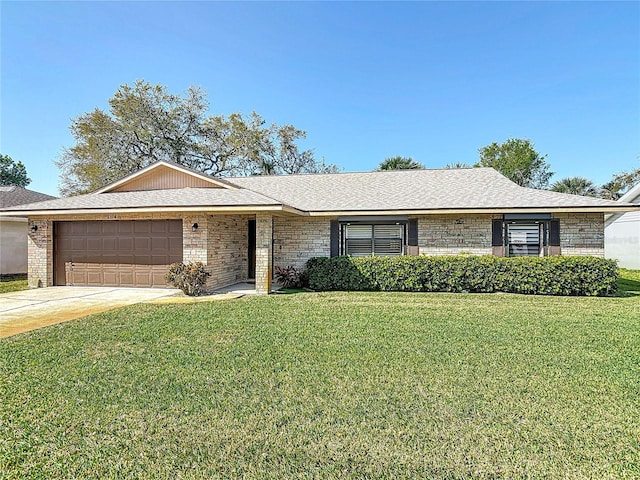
(317, 174)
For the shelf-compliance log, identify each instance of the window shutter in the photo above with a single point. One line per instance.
(554, 233)
(335, 239)
(496, 234)
(413, 232)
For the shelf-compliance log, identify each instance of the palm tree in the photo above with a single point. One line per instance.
(400, 163)
(458, 165)
(576, 186)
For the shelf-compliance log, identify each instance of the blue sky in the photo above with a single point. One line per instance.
(430, 80)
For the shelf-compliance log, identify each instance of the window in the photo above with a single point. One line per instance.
(526, 239)
(525, 234)
(359, 240)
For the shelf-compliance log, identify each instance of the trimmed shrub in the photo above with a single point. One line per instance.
(466, 273)
(191, 278)
(290, 277)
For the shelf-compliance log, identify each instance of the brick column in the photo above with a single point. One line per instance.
(40, 253)
(264, 251)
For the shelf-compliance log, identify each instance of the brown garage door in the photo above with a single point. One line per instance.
(118, 253)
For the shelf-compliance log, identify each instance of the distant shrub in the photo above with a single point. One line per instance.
(466, 273)
(290, 277)
(191, 278)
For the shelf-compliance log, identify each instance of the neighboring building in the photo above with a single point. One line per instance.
(13, 230)
(127, 233)
(622, 233)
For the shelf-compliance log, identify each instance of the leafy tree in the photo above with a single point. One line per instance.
(517, 160)
(400, 163)
(576, 186)
(619, 184)
(145, 123)
(457, 165)
(12, 172)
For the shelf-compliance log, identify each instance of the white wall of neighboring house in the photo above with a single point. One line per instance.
(13, 245)
(622, 234)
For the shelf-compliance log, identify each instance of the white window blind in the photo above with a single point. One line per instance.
(364, 240)
(524, 239)
(388, 239)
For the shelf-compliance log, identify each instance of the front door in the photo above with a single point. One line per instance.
(251, 254)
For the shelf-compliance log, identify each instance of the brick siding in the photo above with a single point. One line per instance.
(227, 250)
(297, 239)
(581, 233)
(264, 250)
(454, 234)
(40, 253)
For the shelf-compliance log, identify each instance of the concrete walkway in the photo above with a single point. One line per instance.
(30, 309)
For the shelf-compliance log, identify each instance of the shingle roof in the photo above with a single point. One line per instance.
(466, 188)
(12, 195)
(184, 197)
(475, 189)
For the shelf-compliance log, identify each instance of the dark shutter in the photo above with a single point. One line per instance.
(496, 233)
(335, 238)
(412, 234)
(554, 233)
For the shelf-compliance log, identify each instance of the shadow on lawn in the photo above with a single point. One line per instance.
(628, 287)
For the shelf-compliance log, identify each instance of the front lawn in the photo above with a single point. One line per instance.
(330, 385)
(11, 285)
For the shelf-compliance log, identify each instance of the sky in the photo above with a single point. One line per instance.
(434, 81)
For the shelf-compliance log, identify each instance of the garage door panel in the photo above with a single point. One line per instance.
(159, 243)
(157, 279)
(125, 243)
(141, 243)
(125, 278)
(160, 260)
(116, 253)
(110, 278)
(160, 227)
(94, 277)
(124, 227)
(142, 277)
(109, 243)
(95, 243)
(93, 228)
(110, 228)
(142, 227)
(142, 260)
(175, 227)
(78, 243)
(109, 258)
(126, 258)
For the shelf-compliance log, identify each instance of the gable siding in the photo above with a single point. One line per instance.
(164, 178)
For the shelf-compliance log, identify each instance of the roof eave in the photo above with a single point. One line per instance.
(458, 211)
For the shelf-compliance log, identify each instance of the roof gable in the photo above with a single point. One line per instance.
(633, 195)
(165, 176)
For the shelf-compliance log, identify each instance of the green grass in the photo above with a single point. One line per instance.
(330, 385)
(629, 282)
(13, 285)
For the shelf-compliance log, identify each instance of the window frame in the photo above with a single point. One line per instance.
(542, 243)
(372, 239)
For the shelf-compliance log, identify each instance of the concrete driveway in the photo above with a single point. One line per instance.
(30, 309)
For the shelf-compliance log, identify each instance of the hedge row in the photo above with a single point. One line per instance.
(466, 273)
